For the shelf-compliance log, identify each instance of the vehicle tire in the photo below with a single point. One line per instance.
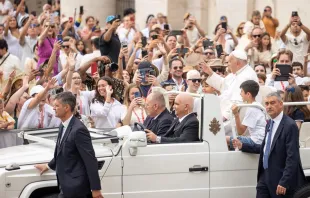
(303, 192)
(53, 195)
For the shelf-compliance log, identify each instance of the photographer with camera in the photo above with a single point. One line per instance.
(109, 41)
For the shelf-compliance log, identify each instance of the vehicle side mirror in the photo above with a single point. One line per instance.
(137, 139)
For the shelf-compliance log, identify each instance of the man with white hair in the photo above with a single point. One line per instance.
(230, 85)
(193, 80)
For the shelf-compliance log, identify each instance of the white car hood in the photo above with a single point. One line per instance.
(38, 153)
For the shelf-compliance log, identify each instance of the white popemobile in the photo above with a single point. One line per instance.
(131, 168)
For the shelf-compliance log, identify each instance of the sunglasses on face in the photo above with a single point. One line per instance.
(176, 68)
(209, 53)
(65, 46)
(52, 26)
(195, 80)
(256, 36)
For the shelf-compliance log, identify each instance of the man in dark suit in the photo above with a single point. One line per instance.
(280, 171)
(159, 119)
(184, 128)
(74, 158)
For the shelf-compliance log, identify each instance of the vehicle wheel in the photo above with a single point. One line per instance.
(303, 192)
(53, 195)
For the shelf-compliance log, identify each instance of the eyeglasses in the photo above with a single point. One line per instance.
(256, 35)
(180, 68)
(209, 53)
(65, 46)
(195, 80)
(295, 41)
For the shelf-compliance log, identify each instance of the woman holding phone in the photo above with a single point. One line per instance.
(46, 44)
(224, 37)
(105, 110)
(134, 106)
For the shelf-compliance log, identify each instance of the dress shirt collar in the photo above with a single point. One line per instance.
(176, 82)
(66, 123)
(278, 118)
(181, 119)
(158, 115)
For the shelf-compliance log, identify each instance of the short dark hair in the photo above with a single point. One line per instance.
(129, 11)
(3, 44)
(250, 86)
(96, 42)
(297, 64)
(67, 98)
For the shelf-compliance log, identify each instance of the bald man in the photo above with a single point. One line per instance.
(183, 129)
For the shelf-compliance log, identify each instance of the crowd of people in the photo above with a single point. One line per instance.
(112, 70)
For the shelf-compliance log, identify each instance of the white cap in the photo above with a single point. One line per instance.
(193, 74)
(36, 89)
(240, 54)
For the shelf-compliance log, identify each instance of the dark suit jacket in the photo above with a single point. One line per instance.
(186, 131)
(161, 124)
(74, 161)
(171, 81)
(284, 164)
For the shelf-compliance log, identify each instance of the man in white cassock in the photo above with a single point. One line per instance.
(230, 85)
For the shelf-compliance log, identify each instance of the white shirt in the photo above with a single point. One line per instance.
(14, 46)
(88, 57)
(138, 115)
(84, 100)
(230, 87)
(7, 5)
(276, 124)
(27, 49)
(65, 124)
(281, 85)
(146, 32)
(122, 32)
(299, 50)
(255, 120)
(30, 118)
(106, 115)
(63, 60)
(178, 86)
(10, 63)
(193, 36)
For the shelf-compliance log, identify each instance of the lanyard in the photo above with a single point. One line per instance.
(282, 85)
(138, 116)
(41, 120)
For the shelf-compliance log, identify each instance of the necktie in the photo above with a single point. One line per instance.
(61, 127)
(266, 153)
